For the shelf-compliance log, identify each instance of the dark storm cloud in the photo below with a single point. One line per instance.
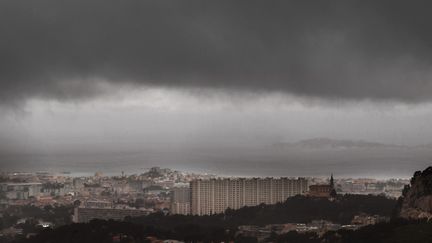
(328, 49)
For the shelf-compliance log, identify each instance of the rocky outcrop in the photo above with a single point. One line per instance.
(416, 199)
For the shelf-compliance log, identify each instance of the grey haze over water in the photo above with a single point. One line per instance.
(231, 136)
(112, 85)
(377, 162)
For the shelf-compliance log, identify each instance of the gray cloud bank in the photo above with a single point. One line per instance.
(378, 50)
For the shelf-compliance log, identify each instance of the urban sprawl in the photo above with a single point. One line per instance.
(173, 192)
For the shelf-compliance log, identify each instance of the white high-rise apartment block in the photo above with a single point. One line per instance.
(180, 200)
(216, 195)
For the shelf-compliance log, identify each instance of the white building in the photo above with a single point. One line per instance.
(180, 200)
(21, 190)
(216, 195)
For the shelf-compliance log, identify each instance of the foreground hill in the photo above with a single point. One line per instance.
(395, 231)
(220, 227)
(299, 209)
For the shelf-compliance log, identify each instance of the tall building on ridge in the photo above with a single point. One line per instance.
(216, 195)
(327, 190)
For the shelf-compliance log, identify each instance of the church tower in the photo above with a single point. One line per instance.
(331, 181)
(332, 187)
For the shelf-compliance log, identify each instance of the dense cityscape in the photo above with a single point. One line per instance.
(170, 192)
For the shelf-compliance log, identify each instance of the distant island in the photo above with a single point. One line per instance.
(328, 143)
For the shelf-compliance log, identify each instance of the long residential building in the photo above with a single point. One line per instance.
(216, 195)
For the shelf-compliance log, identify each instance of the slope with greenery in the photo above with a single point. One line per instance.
(220, 227)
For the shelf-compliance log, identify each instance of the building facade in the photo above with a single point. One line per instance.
(325, 191)
(216, 195)
(320, 191)
(15, 191)
(180, 200)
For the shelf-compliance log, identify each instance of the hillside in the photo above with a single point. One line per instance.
(416, 200)
(221, 227)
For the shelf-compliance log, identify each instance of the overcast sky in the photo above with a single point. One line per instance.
(114, 76)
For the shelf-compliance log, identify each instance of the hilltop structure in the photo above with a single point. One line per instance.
(323, 191)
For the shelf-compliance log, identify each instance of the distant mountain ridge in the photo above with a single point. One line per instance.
(328, 143)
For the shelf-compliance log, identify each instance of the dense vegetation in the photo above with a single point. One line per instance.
(58, 215)
(106, 231)
(396, 231)
(299, 209)
(30, 217)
